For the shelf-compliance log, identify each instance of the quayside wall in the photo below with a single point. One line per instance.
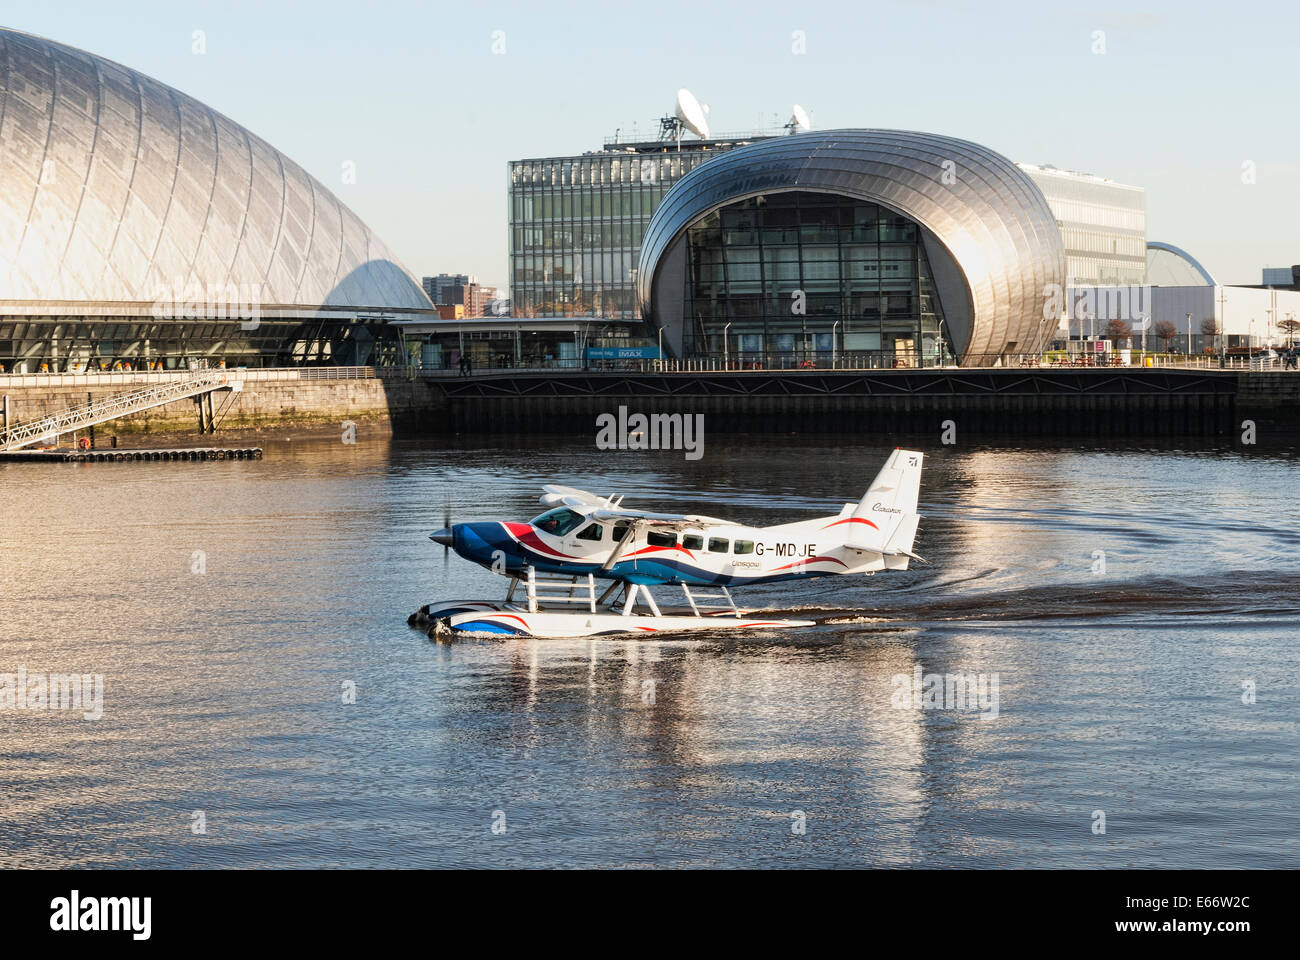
(268, 398)
(1035, 402)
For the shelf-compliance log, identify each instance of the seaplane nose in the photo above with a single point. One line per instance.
(443, 536)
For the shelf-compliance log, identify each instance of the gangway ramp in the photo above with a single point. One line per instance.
(85, 415)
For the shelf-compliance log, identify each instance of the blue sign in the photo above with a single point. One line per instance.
(622, 353)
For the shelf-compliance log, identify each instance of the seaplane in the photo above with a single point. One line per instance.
(555, 561)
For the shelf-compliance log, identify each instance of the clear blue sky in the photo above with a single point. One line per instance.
(1183, 96)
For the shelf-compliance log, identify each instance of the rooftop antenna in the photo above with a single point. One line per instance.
(799, 121)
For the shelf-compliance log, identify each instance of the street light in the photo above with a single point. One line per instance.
(834, 327)
(725, 365)
(1189, 337)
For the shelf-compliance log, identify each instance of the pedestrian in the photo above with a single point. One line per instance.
(469, 365)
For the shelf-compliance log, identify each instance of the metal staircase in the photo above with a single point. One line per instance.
(111, 408)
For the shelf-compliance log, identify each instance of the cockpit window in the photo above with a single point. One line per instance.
(558, 522)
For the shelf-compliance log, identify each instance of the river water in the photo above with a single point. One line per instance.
(1139, 609)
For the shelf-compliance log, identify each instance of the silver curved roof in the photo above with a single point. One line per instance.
(1172, 266)
(991, 219)
(114, 187)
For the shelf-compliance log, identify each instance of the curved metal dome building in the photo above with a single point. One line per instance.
(908, 248)
(118, 192)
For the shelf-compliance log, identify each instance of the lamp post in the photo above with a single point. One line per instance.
(834, 328)
(1146, 322)
(725, 365)
(1189, 338)
(661, 350)
(1223, 327)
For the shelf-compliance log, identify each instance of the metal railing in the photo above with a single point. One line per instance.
(111, 408)
(118, 378)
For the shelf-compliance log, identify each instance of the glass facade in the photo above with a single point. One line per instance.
(1103, 226)
(807, 277)
(576, 225)
(53, 344)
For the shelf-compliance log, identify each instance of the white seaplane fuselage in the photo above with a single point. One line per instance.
(590, 538)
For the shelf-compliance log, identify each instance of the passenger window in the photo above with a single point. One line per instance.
(744, 546)
(620, 530)
(719, 545)
(693, 541)
(661, 539)
(592, 531)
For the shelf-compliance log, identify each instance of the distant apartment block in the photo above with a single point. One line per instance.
(435, 287)
(460, 289)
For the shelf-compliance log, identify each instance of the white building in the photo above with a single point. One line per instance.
(1244, 315)
(1102, 223)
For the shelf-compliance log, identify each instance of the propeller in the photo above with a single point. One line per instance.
(445, 535)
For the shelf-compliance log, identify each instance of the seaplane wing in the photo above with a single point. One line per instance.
(607, 508)
(660, 519)
(554, 495)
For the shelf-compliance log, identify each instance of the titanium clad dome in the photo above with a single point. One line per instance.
(989, 219)
(114, 186)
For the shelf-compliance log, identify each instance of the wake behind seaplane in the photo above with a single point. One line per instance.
(558, 557)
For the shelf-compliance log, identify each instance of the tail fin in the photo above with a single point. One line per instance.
(886, 516)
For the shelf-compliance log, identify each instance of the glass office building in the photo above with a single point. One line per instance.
(576, 224)
(1103, 225)
(804, 277)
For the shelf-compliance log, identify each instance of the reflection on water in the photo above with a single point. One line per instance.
(229, 606)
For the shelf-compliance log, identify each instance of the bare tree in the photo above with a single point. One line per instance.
(1118, 330)
(1166, 331)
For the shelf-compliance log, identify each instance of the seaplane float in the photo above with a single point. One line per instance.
(555, 562)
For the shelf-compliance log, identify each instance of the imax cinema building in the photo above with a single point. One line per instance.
(140, 227)
(921, 248)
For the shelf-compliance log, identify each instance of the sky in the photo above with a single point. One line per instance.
(427, 102)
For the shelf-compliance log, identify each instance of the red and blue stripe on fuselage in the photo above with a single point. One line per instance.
(508, 548)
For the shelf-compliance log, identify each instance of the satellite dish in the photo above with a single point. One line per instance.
(800, 122)
(693, 114)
